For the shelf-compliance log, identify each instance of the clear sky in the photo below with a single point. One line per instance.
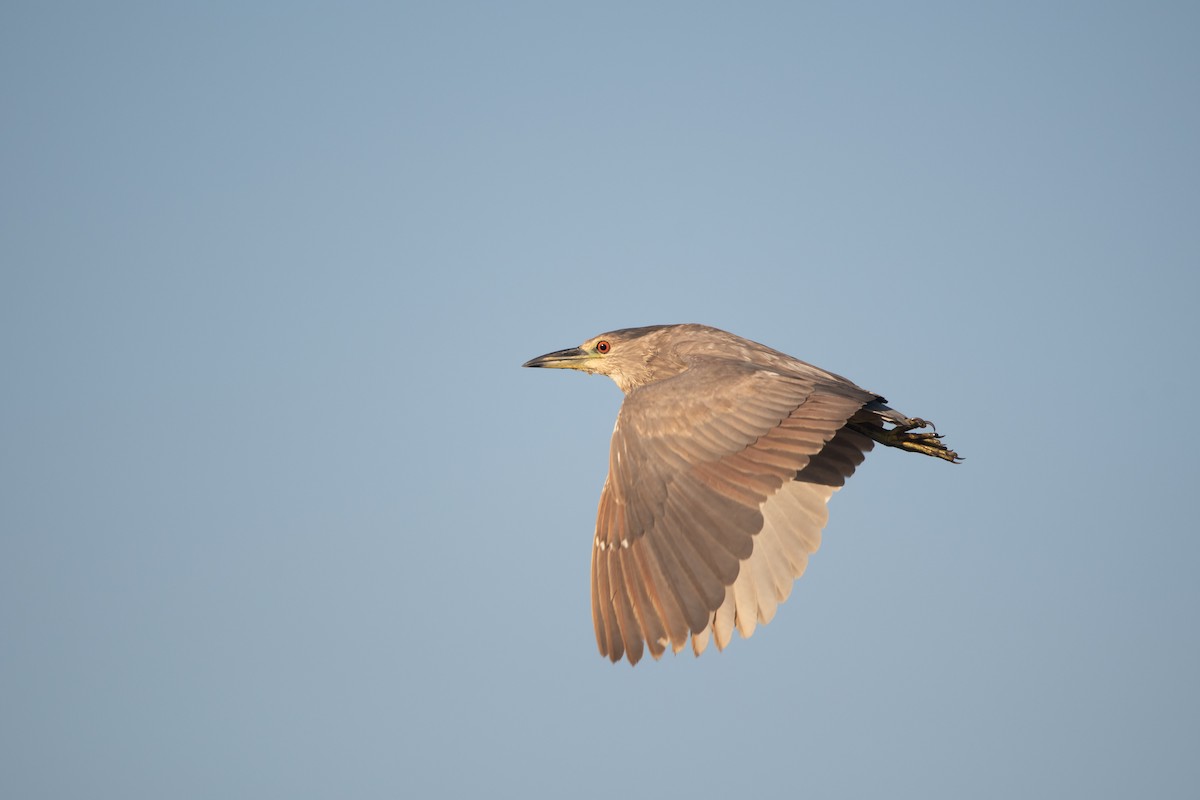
(281, 516)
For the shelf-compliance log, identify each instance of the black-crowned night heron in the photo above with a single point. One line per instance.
(723, 458)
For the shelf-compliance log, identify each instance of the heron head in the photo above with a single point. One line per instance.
(630, 356)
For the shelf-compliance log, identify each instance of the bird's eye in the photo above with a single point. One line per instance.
(603, 346)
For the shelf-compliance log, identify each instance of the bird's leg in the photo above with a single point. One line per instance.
(900, 435)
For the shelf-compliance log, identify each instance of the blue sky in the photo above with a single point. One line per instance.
(280, 515)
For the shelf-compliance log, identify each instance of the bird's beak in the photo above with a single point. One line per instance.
(571, 358)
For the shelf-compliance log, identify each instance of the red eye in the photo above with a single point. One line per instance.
(603, 346)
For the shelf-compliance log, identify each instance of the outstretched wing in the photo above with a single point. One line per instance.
(715, 496)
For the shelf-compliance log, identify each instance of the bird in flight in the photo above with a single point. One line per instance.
(723, 457)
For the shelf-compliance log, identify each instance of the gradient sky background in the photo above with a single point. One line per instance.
(280, 515)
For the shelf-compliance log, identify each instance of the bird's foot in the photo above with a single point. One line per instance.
(900, 435)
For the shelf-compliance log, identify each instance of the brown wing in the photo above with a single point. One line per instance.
(696, 469)
(793, 519)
